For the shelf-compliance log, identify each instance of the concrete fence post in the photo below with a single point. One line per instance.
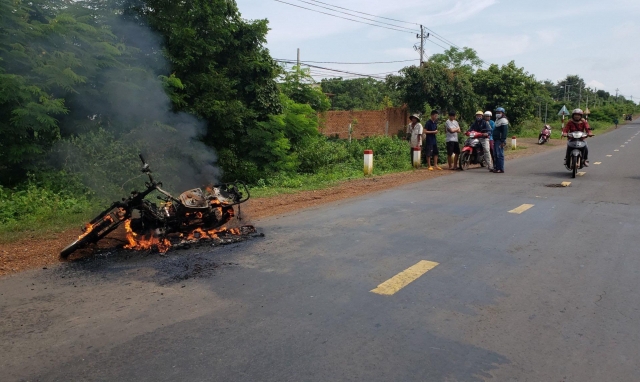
(417, 157)
(368, 162)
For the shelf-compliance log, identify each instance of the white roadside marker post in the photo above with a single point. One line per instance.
(368, 162)
(513, 143)
(416, 157)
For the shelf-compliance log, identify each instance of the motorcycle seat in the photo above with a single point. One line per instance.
(194, 199)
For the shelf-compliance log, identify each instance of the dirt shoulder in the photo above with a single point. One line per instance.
(35, 252)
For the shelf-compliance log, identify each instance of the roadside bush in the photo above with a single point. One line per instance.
(319, 152)
(43, 205)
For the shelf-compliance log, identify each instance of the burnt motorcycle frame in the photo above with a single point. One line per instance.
(180, 219)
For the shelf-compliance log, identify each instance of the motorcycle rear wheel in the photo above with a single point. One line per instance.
(465, 161)
(102, 226)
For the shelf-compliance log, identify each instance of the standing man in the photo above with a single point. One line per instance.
(453, 145)
(487, 117)
(431, 144)
(414, 133)
(483, 127)
(615, 121)
(500, 134)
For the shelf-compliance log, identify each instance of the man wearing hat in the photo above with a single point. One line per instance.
(414, 133)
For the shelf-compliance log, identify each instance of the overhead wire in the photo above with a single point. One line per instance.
(345, 18)
(349, 14)
(363, 13)
(355, 63)
(432, 32)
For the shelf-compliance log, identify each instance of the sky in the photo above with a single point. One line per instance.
(596, 40)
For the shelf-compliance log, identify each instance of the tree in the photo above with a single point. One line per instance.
(358, 94)
(300, 87)
(509, 87)
(465, 59)
(220, 58)
(47, 57)
(437, 85)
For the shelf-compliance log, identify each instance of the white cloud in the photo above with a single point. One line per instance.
(548, 36)
(595, 84)
(463, 10)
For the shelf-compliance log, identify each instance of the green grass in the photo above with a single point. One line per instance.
(35, 210)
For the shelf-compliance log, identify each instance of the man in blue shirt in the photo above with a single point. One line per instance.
(430, 146)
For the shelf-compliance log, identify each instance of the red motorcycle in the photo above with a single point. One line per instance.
(545, 135)
(472, 152)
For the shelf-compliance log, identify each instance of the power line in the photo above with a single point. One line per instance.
(350, 63)
(362, 13)
(349, 14)
(332, 70)
(345, 18)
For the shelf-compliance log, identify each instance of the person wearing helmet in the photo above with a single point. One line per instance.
(577, 123)
(487, 117)
(500, 134)
(482, 126)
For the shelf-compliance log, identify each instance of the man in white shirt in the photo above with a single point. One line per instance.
(414, 133)
(453, 145)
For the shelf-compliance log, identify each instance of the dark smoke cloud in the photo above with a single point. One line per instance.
(132, 113)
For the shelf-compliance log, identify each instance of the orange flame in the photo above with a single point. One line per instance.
(146, 242)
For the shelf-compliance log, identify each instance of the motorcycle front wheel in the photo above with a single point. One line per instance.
(574, 166)
(465, 160)
(540, 139)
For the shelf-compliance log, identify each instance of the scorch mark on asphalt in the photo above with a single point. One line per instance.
(404, 278)
(521, 209)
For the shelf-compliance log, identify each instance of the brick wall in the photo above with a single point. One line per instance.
(367, 122)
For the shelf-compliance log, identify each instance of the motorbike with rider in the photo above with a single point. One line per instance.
(577, 124)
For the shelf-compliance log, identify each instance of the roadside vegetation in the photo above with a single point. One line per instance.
(87, 85)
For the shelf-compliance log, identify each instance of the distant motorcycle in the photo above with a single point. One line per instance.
(575, 157)
(545, 135)
(472, 152)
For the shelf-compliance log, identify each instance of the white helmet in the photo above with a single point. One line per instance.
(488, 114)
(577, 111)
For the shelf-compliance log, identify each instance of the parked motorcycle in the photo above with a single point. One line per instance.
(545, 135)
(472, 152)
(205, 209)
(575, 157)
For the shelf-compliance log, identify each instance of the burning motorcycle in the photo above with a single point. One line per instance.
(472, 152)
(545, 135)
(198, 213)
(575, 152)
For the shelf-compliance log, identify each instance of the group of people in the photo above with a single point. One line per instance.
(493, 138)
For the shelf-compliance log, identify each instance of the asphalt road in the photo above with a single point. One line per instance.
(549, 294)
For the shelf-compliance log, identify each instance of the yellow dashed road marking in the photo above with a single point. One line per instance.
(404, 278)
(521, 209)
(616, 150)
(609, 156)
(565, 184)
(598, 163)
(581, 173)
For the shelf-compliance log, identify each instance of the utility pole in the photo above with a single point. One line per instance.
(546, 108)
(421, 45)
(580, 96)
(420, 48)
(617, 94)
(298, 58)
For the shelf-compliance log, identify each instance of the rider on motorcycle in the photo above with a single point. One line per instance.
(577, 123)
(482, 126)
